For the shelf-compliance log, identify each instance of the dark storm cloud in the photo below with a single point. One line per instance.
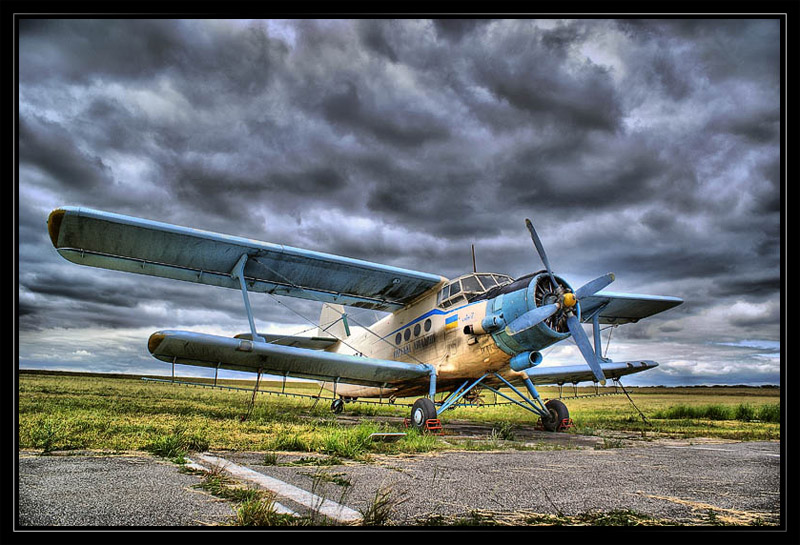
(48, 147)
(349, 109)
(457, 29)
(648, 148)
(555, 178)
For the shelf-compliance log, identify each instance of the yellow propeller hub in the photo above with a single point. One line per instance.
(570, 300)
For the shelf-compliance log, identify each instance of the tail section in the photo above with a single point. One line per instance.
(333, 322)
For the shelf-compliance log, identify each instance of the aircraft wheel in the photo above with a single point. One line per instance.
(337, 406)
(558, 412)
(422, 411)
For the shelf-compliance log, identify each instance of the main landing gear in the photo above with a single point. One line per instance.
(553, 414)
(558, 416)
(556, 419)
(422, 411)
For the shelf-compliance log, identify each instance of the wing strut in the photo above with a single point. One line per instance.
(238, 272)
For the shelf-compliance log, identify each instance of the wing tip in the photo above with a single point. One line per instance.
(54, 224)
(155, 341)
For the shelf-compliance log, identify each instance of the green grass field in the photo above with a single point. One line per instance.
(120, 413)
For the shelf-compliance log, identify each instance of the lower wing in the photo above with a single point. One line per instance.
(580, 373)
(240, 354)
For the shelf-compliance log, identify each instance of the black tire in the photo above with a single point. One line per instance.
(422, 411)
(337, 406)
(558, 412)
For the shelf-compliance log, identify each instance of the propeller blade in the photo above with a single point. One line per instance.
(582, 340)
(531, 318)
(593, 286)
(540, 249)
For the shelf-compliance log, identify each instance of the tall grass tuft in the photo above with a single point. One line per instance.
(378, 512)
(353, 443)
(177, 444)
(46, 433)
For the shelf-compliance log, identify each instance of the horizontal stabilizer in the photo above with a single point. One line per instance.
(581, 373)
(203, 350)
(124, 243)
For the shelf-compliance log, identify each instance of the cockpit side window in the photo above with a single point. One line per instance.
(471, 284)
(502, 279)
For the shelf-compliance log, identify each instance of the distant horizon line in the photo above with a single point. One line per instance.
(28, 370)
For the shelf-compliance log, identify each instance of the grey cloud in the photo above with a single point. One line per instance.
(374, 36)
(355, 108)
(457, 29)
(49, 147)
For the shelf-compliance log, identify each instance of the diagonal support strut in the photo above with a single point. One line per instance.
(238, 273)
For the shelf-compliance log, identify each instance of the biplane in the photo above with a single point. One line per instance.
(450, 336)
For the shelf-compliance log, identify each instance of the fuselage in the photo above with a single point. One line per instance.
(459, 328)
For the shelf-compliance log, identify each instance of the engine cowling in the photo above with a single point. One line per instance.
(507, 307)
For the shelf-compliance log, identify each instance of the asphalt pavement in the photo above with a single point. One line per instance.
(135, 490)
(734, 483)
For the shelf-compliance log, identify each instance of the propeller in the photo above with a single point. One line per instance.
(532, 318)
(540, 249)
(568, 302)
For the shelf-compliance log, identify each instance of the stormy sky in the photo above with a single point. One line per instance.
(647, 148)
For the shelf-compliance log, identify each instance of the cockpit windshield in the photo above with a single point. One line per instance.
(468, 287)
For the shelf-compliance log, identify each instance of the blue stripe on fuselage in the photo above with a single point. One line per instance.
(430, 313)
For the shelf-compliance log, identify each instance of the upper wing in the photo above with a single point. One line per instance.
(623, 308)
(113, 241)
(204, 350)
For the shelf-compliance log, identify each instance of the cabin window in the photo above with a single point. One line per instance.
(443, 294)
(455, 287)
(417, 329)
(460, 300)
(398, 338)
(427, 325)
(407, 334)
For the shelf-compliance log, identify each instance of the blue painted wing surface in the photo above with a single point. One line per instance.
(203, 350)
(113, 241)
(312, 343)
(623, 308)
(581, 373)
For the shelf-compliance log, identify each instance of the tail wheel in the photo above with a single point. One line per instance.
(422, 411)
(558, 413)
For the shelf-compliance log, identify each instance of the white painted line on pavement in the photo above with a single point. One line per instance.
(279, 508)
(325, 507)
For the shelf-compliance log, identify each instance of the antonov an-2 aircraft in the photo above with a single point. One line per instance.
(479, 330)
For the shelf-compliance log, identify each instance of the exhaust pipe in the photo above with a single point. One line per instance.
(526, 360)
